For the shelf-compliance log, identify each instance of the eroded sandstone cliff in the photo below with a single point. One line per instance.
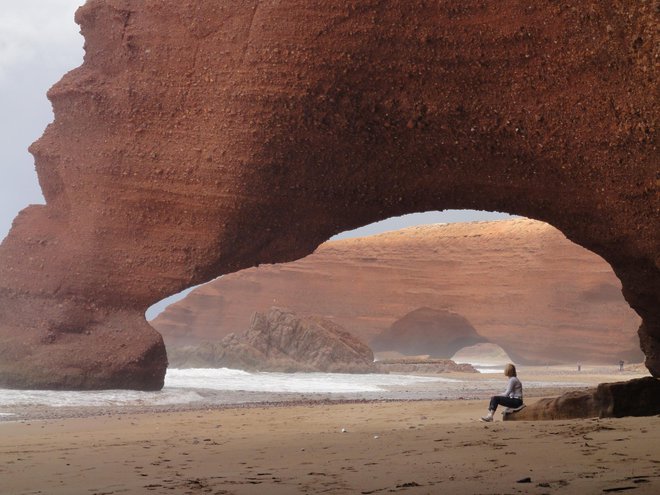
(202, 137)
(520, 283)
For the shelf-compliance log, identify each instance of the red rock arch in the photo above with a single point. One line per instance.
(201, 137)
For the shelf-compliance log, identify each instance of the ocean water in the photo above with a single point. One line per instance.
(300, 383)
(202, 388)
(184, 386)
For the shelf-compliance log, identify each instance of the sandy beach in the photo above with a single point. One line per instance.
(417, 447)
(409, 447)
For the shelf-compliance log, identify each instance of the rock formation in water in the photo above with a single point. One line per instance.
(202, 137)
(639, 397)
(436, 333)
(279, 340)
(426, 366)
(520, 282)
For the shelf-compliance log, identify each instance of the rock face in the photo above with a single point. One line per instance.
(202, 137)
(639, 397)
(437, 333)
(520, 282)
(281, 341)
(484, 354)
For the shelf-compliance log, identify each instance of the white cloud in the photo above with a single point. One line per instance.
(30, 29)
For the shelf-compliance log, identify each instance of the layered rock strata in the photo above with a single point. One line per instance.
(279, 340)
(519, 283)
(202, 137)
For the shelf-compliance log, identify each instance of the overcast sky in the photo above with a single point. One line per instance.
(39, 42)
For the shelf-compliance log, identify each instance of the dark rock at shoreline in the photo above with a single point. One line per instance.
(279, 340)
(639, 397)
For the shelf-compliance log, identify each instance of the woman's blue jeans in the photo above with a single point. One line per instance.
(496, 400)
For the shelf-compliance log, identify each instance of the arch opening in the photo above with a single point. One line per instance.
(430, 290)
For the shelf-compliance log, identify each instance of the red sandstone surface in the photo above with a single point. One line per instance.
(520, 283)
(201, 137)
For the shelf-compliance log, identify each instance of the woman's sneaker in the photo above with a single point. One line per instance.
(487, 419)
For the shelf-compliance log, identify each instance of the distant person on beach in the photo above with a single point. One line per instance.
(579, 367)
(512, 396)
(621, 365)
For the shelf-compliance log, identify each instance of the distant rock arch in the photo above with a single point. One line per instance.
(201, 137)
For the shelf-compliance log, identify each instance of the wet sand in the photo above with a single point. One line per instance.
(416, 447)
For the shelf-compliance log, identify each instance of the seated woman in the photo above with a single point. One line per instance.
(512, 397)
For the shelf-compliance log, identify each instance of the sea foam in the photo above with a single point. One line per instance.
(302, 383)
(183, 386)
